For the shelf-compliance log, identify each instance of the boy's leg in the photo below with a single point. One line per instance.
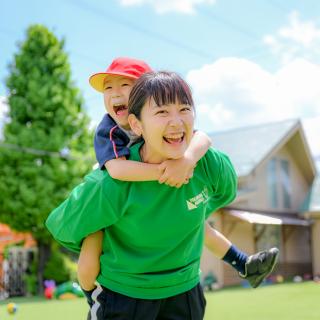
(259, 266)
(189, 305)
(254, 268)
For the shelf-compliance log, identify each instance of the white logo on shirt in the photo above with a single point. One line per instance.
(202, 197)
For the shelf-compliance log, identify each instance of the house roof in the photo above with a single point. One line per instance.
(259, 218)
(248, 147)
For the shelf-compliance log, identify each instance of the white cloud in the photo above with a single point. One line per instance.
(298, 38)
(164, 6)
(235, 92)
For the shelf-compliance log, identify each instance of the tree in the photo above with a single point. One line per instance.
(47, 145)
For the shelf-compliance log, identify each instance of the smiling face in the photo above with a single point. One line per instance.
(166, 129)
(161, 110)
(116, 95)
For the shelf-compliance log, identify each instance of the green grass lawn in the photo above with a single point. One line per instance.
(278, 302)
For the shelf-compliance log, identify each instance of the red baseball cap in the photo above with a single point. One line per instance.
(127, 67)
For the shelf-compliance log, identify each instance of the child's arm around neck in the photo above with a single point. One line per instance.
(128, 170)
(171, 172)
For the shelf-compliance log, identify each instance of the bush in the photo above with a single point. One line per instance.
(59, 268)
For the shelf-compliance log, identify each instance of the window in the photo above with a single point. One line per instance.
(285, 183)
(279, 183)
(272, 183)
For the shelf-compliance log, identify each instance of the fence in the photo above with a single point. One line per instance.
(14, 266)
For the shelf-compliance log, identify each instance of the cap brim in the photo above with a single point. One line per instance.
(96, 80)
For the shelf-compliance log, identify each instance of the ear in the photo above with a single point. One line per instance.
(135, 124)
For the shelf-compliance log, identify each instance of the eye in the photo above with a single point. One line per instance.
(162, 112)
(185, 109)
(125, 84)
(107, 88)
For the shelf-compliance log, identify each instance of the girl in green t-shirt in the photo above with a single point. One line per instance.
(153, 234)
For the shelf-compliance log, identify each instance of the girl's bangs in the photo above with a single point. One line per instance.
(170, 92)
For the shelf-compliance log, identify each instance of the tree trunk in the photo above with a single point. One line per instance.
(44, 255)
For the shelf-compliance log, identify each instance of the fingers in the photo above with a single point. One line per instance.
(190, 175)
(174, 184)
(163, 179)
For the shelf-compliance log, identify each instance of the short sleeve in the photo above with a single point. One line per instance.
(85, 211)
(222, 180)
(110, 142)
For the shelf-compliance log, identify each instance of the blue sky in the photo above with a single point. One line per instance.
(247, 61)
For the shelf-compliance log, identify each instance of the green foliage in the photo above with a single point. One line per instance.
(58, 268)
(30, 278)
(46, 114)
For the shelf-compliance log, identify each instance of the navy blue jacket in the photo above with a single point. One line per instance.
(110, 142)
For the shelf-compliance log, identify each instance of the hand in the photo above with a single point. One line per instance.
(176, 172)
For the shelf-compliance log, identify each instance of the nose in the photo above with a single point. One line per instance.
(116, 92)
(175, 119)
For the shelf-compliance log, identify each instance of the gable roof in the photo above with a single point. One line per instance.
(248, 147)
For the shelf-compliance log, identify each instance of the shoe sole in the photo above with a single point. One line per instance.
(274, 262)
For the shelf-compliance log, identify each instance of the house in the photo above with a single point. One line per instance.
(277, 202)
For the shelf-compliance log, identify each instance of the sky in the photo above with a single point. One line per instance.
(248, 62)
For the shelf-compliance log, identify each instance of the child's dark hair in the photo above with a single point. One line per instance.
(164, 87)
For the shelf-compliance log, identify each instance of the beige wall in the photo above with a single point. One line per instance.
(259, 182)
(296, 245)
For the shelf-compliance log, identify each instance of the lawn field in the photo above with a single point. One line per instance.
(278, 302)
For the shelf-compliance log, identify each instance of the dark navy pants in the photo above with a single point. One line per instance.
(107, 305)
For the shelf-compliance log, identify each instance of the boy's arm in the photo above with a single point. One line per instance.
(89, 260)
(216, 242)
(128, 170)
(170, 172)
(199, 145)
(177, 172)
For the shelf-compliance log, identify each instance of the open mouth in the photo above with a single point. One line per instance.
(174, 138)
(120, 109)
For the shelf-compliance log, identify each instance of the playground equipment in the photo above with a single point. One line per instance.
(66, 290)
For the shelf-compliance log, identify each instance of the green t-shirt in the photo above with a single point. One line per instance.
(153, 233)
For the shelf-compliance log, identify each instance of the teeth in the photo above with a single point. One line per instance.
(174, 136)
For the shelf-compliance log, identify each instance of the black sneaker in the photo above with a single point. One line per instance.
(259, 266)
